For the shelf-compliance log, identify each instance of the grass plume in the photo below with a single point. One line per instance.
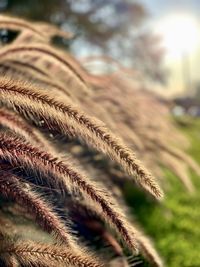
(89, 129)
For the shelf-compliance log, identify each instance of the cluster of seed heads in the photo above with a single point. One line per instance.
(67, 142)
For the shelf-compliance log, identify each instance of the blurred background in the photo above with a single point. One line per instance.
(158, 38)
(160, 41)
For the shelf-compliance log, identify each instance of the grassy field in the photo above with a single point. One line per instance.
(174, 225)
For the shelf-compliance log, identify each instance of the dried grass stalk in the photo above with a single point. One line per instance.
(20, 153)
(30, 253)
(91, 130)
(13, 188)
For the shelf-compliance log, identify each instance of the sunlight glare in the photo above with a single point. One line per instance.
(180, 34)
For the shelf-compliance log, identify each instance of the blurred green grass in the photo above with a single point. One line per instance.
(174, 225)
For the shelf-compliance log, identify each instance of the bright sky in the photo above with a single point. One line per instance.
(179, 24)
